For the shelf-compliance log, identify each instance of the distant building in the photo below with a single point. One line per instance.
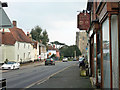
(52, 50)
(81, 41)
(42, 51)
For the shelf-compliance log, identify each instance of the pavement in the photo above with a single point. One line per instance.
(67, 78)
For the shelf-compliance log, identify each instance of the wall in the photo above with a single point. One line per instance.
(81, 41)
(7, 52)
(25, 53)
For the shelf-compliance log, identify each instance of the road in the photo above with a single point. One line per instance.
(27, 77)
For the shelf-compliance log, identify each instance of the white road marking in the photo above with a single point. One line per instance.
(47, 78)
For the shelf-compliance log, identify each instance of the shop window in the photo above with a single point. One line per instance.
(99, 56)
(106, 53)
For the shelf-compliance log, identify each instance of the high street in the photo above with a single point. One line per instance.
(27, 77)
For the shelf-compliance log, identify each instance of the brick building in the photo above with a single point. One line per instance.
(104, 37)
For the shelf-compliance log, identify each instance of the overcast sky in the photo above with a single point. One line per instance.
(58, 17)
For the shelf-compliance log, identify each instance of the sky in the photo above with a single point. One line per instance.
(58, 17)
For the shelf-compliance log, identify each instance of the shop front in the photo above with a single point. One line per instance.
(105, 45)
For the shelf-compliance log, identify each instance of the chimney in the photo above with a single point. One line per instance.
(14, 23)
(3, 31)
(53, 46)
(28, 34)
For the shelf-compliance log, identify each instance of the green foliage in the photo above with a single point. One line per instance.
(38, 35)
(45, 38)
(61, 57)
(68, 51)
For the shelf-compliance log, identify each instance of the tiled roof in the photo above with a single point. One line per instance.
(19, 35)
(15, 34)
(7, 38)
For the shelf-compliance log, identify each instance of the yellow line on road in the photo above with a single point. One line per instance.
(47, 78)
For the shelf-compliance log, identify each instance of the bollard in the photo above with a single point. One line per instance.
(3, 84)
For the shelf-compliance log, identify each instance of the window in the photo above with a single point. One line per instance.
(106, 53)
(83, 38)
(18, 45)
(24, 45)
(17, 57)
(24, 55)
(28, 46)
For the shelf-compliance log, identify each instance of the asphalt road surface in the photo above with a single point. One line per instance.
(27, 77)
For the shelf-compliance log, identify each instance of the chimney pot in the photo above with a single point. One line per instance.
(14, 23)
(54, 46)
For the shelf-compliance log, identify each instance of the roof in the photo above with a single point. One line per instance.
(52, 48)
(7, 38)
(19, 35)
(15, 34)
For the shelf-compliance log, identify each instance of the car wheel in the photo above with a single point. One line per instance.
(2, 68)
(13, 67)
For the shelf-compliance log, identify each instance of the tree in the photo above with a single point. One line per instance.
(57, 43)
(45, 38)
(68, 51)
(38, 35)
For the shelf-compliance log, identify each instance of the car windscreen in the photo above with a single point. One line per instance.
(10, 62)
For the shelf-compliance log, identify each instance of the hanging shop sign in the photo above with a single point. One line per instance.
(83, 20)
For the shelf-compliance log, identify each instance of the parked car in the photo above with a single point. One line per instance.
(65, 59)
(11, 65)
(49, 61)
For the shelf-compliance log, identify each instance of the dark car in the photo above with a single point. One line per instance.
(49, 61)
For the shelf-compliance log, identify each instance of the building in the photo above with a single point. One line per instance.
(42, 51)
(81, 42)
(104, 43)
(15, 45)
(52, 50)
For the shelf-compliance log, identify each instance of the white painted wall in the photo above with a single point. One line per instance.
(7, 52)
(26, 53)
